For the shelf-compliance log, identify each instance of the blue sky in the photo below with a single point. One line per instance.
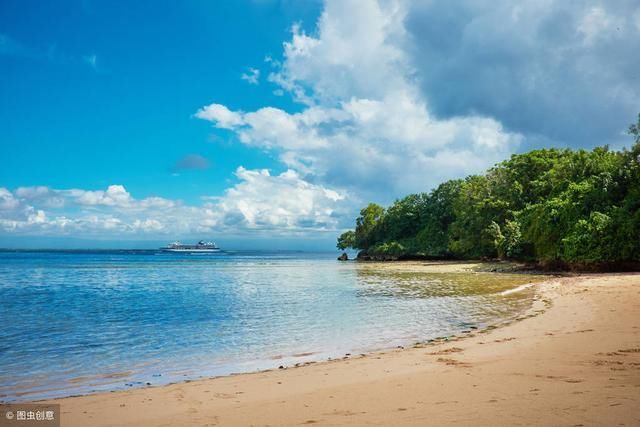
(260, 121)
(127, 117)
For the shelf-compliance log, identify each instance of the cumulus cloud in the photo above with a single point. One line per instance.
(7, 200)
(281, 204)
(365, 126)
(283, 201)
(392, 97)
(221, 115)
(358, 52)
(251, 76)
(115, 196)
(561, 73)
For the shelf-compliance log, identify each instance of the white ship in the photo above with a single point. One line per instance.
(200, 247)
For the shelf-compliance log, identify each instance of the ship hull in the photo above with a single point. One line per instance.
(190, 250)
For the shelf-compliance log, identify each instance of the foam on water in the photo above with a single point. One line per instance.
(517, 289)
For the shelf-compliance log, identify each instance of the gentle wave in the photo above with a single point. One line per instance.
(517, 289)
(83, 322)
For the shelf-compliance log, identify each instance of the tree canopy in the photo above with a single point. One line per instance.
(553, 206)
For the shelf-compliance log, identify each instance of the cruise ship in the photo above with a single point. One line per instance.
(200, 247)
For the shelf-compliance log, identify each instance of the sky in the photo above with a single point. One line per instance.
(271, 123)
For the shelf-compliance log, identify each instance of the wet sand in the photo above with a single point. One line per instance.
(574, 359)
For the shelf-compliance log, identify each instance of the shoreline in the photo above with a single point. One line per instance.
(511, 265)
(521, 372)
(298, 360)
(127, 378)
(464, 333)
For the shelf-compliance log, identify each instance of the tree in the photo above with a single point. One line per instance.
(368, 226)
(507, 239)
(403, 219)
(475, 208)
(553, 205)
(589, 240)
(346, 240)
(433, 237)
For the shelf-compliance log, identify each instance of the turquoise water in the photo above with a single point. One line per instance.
(82, 322)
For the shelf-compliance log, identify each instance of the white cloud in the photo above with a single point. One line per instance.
(148, 225)
(7, 200)
(597, 23)
(37, 217)
(284, 202)
(358, 53)
(393, 97)
(366, 126)
(251, 76)
(259, 202)
(221, 115)
(376, 121)
(115, 195)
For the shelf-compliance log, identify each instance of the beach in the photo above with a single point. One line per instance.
(84, 323)
(572, 359)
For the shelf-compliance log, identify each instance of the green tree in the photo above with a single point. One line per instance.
(553, 205)
(476, 208)
(512, 239)
(403, 219)
(346, 240)
(433, 237)
(506, 239)
(589, 240)
(368, 231)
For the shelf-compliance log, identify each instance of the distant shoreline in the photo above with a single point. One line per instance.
(151, 250)
(514, 265)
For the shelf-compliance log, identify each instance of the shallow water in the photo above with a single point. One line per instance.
(75, 323)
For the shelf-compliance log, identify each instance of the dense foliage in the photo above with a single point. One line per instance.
(555, 206)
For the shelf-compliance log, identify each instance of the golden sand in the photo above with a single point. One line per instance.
(574, 360)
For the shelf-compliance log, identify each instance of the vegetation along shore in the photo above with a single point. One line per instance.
(557, 208)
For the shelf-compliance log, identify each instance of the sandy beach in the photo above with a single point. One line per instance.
(573, 359)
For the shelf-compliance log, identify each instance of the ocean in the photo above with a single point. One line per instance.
(77, 322)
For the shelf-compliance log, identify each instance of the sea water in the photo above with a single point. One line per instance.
(76, 322)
